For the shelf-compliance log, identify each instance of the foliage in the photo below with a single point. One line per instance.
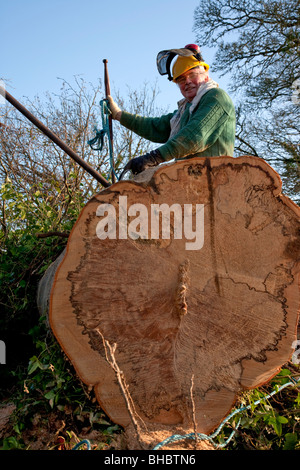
(268, 423)
(50, 400)
(24, 257)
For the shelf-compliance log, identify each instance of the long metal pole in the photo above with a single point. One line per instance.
(107, 92)
(54, 138)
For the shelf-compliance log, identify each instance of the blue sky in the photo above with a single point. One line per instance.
(43, 40)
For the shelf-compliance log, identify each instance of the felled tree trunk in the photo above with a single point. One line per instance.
(170, 318)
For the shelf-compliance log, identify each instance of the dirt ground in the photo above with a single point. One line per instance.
(5, 413)
(52, 434)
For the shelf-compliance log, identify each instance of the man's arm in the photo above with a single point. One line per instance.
(153, 129)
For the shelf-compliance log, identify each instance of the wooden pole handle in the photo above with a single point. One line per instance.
(107, 93)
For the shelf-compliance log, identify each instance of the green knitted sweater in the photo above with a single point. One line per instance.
(207, 132)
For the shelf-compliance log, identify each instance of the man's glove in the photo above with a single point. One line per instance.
(139, 164)
(114, 108)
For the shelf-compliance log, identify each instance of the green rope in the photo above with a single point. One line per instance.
(204, 437)
(98, 141)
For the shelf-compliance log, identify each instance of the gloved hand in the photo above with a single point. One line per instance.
(139, 164)
(114, 108)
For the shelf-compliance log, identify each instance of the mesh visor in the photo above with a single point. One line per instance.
(164, 59)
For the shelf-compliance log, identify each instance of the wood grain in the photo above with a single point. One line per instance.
(225, 314)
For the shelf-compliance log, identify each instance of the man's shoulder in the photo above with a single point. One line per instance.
(218, 93)
(220, 96)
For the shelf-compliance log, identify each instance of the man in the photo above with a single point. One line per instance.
(202, 126)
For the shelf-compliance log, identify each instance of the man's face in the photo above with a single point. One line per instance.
(190, 81)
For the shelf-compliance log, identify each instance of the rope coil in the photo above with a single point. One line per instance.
(97, 142)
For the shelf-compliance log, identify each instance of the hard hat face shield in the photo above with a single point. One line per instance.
(193, 58)
(164, 59)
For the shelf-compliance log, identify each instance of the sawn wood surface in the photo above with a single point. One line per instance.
(191, 327)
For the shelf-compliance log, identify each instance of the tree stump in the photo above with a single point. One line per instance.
(169, 324)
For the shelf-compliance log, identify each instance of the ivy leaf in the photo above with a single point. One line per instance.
(290, 441)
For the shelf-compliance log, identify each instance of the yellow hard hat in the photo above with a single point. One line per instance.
(183, 64)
